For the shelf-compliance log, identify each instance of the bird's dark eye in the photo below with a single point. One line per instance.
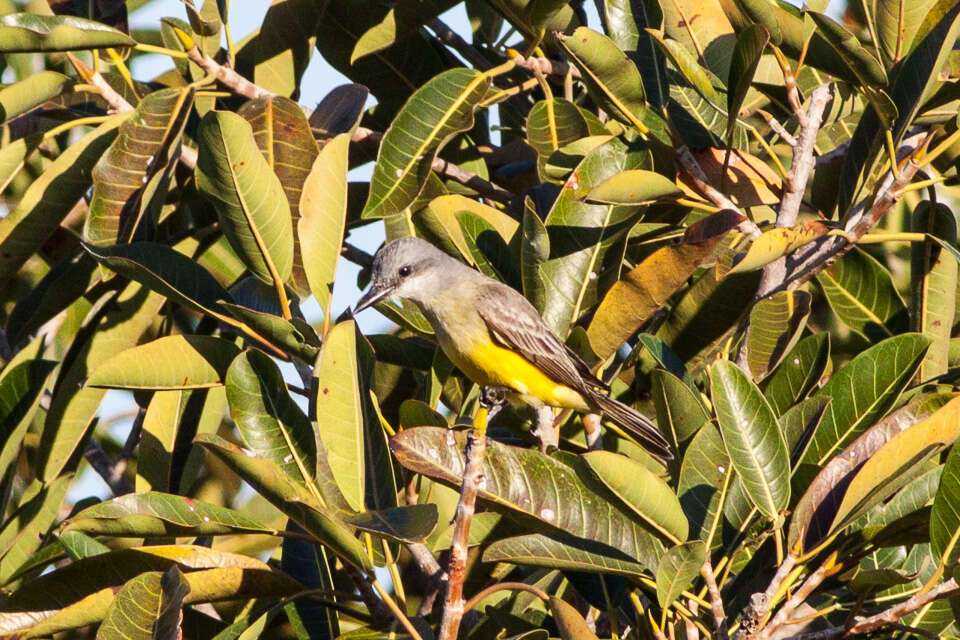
(404, 271)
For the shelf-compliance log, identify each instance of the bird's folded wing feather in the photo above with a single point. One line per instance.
(516, 325)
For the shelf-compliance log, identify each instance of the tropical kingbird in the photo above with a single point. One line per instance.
(495, 336)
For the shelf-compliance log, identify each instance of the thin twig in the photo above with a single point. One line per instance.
(453, 606)
(377, 607)
(483, 187)
(504, 586)
(825, 251)
(889, 617)
(547, 66)
(227, 76)
(491, 401)
(699, 179)
(451, 38)
(716, 600)
(106, 469)
(778, 128)
(133, 438)
(814, 580)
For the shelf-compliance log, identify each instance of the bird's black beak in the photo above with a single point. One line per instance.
(372, 297)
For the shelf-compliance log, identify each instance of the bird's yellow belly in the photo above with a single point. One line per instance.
(491, 364)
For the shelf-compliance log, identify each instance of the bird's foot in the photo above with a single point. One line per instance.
(493, 399)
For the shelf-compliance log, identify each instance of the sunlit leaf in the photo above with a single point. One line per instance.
(776, 324)
(173, 362)
(130, 179)
(432, 115)
(752, 437)
(147, 608)
(551, 492)
(34, 32)
(253, 210)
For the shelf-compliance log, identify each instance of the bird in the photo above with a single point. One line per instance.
(495, 336)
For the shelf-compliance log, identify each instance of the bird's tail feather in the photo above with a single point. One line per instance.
(636, 425)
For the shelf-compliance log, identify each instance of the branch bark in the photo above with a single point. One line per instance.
(473, 478)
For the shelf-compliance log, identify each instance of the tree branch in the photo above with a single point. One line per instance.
(888, 617)
(716, 600)
(699, 179)
(453, 605)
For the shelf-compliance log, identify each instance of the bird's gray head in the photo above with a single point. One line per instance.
(408, 268)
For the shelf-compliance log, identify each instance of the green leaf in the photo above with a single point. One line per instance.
(763, 14)
(569, 289)
(799, 422)
(34, 32)
(147, 608)
(798, 372)
(25, 529)
(114, 326)
(775, 326)
(532, 484)
(50, 198)
(678, 568)
(552, 124)
(291, 498)
(130, 180)
(916, 79)
(157, 514)
(649, 497)
(269, 422)
(323, 219)
(294, 337)
(747, 53)
(166, 271)
(570, 623)
(752, 437)
(688, 66)
(945, 516)
(433, 115)
(411, 523)
(558, 551)
(898, 23)
(860, 291)
(634, 187)
(934, 280)
(21, 388)
(441, 223)
(276, 55)
(611, 77)
(171, 362)
(680, 412)
(79, 594)
(31, 92)
(283, 136)
(252, 208)
(864, 66)
(79, 545)
(702, 28)
(863, 391)
(338, 402)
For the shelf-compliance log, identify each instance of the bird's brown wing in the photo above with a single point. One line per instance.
(516, 325)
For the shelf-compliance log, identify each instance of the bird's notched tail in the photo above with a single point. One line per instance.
(644, 431)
